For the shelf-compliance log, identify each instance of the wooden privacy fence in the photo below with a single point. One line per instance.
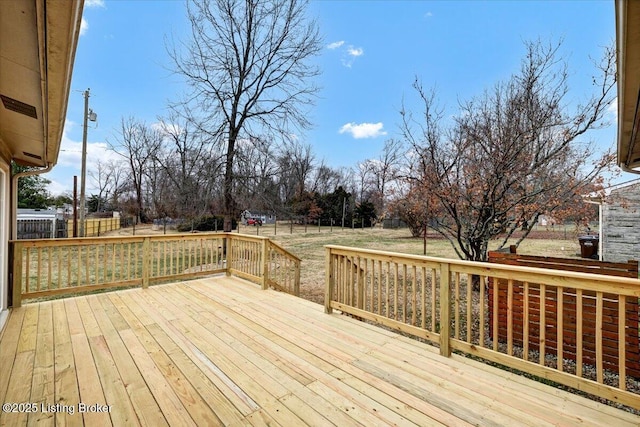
(435, 299)
(573, 304)
(41, 228)
(95, 226)
(42, 268)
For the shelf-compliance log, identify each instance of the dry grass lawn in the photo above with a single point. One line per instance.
(309, 245)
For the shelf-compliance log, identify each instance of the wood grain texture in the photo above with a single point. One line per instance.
(221, 351)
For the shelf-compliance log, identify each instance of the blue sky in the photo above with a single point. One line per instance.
(373, 52)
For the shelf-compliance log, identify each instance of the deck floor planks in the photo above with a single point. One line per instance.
(90, 389)
(458, 395)
(170, 405)
(42, 382)
(66, 382)
(260, 357)
(529, 402)
(197, 407)
(342, 393)
(265, 350)
(354, 354)
(543, 408)
(8, 349)
(303, 335)
(284, 350)
(115, 392)
(293, 400)
(21, 368)
(448, 378)
(197, 350)
(170, 337)
(146, 408)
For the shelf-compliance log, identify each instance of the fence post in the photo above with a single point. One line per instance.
(146, 258)
(445, 310)
(328, 280)
(16, 274)
(265, 263)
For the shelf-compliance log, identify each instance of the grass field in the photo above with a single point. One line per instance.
(309, 245)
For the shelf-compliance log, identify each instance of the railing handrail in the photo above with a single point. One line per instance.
(631, 287)
(279, 248)
(136, 238)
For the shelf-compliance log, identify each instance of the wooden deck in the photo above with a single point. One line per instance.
(221, 351)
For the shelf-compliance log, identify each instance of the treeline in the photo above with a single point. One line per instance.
(171, 169)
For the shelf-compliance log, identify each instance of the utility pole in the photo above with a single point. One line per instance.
(88, 115)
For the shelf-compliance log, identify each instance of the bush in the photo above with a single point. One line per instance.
(206, 223)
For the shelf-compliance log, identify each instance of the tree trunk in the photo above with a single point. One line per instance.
(229, 207)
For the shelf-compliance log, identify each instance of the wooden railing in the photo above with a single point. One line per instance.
(47, 267)
(444, 302)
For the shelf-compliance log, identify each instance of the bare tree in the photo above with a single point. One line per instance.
(385, 171)
(137, 143)
(511, 155)
(247, 66)
(100, 175)
(363, 173)
(118, 177)
(326, 179)
(188, 162)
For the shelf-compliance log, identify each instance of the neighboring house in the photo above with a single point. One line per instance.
(619, 221)
(38, 40)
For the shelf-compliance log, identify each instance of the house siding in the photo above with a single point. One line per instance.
(621, 225)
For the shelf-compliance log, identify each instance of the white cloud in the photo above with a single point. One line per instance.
(613, 108)
(84, 26)
(349, 53)
(428, 15)
(167, 129)
(94, 3)
(353, 51)
(71, 151)
(363, 130)
(57, 188)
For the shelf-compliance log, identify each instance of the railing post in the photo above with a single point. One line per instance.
(16, 274)
(445, 310)
(360, 278)
(328, 280)
(296, 283)
(226, 250)
(146, 258)
(265, 264)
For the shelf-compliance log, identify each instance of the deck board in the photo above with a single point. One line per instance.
(221, 351)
